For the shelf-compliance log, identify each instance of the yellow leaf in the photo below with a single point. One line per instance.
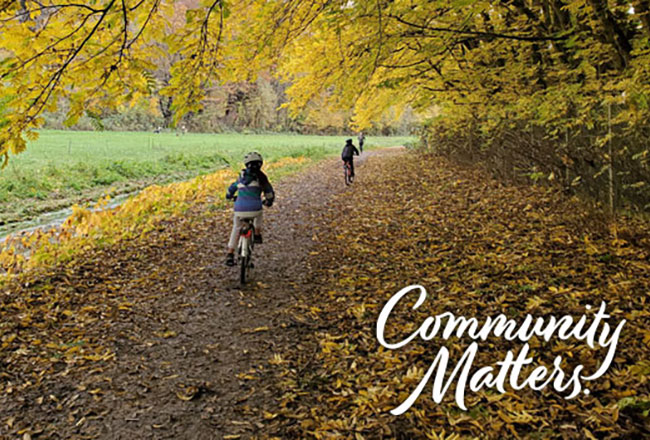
(188, 393)
(269, 416)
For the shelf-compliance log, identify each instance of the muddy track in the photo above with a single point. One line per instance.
(191, 346)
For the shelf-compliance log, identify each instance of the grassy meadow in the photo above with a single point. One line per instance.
(65, 167)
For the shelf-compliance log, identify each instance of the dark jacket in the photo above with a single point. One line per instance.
(348, 151)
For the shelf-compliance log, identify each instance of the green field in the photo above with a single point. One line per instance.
(66, 167)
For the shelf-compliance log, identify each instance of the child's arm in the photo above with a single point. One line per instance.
(269, 194)
(232, 189)
(355, 150)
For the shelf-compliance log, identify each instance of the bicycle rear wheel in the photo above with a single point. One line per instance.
(244, 259)
(346, 175)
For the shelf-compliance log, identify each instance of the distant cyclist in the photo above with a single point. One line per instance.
(348, 155)
(362, 138)
(250, 185)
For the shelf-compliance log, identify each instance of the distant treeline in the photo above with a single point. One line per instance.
(242, 107)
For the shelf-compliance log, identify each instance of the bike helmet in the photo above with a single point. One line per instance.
(253, 156)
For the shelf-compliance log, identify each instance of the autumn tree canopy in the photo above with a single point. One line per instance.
(550, 62)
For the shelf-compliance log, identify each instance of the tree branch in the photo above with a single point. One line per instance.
(489, 35)
(46, 92)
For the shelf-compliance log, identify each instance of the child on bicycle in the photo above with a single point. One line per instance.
(250, 184)
(348, 155)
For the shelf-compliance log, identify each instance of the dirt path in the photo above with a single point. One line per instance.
(158, 341)
(185, 347)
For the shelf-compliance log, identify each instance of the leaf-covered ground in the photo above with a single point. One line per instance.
(157, 340)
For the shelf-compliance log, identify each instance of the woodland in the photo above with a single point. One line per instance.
(552, 90)
(527, 195)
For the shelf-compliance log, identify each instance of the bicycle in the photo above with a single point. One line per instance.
(246, 244)
(347, 173)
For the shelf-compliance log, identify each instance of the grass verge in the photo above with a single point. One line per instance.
(66, 167)
(134, 219)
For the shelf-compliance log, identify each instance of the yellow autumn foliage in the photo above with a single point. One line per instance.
(132, 220)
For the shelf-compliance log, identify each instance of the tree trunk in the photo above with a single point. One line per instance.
(613, 33)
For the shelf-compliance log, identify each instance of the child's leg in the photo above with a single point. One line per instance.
(233, 234)
(257, 223)
(236, 225)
